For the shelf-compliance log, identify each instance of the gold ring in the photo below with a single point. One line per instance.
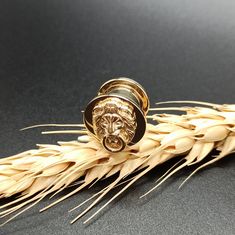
(117, 116)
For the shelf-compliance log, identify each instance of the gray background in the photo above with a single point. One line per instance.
(55, 54)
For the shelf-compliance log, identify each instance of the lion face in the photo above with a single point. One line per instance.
(114, 123)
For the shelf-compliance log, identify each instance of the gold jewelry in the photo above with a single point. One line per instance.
(117, 116)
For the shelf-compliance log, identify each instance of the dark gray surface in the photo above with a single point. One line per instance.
(55, 54)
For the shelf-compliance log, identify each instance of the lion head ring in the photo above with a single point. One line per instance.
(117, 116)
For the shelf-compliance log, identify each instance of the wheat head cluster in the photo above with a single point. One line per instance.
(198, 129)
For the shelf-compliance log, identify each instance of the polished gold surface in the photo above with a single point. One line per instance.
(116, 117)
(131, 86)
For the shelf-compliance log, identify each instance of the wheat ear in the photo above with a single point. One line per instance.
(36, 173)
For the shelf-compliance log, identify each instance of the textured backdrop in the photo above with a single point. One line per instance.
(55, 54)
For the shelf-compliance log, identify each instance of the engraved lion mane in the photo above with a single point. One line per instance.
(115, 110)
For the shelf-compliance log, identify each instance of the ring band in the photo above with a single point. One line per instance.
(117, 116)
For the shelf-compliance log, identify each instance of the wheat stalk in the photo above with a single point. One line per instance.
(34, 174)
